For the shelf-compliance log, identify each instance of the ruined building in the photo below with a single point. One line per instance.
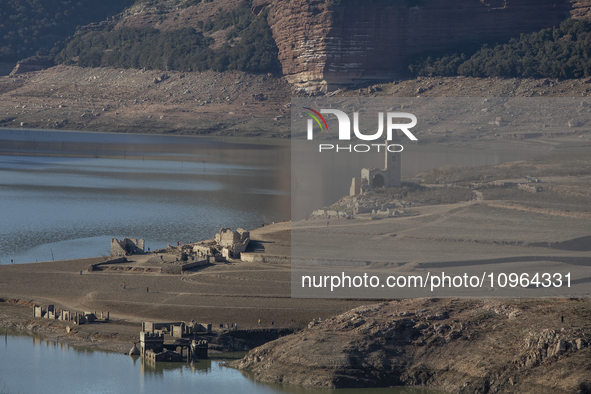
(53, 313)
(128, 246)
(232, 242)
(373, 178)
(184, 346)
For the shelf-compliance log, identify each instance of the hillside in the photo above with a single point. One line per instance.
(559, 52)
(29, 26)
(224, 104)
(315, 44)
(459, 346)
(108, 99)
(184, 37)
(233, 65)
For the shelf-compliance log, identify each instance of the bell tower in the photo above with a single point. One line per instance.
(389, 176)
(392, 164)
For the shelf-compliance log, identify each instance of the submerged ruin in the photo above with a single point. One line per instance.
(172, 342)
(78, 318)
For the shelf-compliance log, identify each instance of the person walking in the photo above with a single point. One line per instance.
(259, 322)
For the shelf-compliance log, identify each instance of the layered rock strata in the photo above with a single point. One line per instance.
(324, 46)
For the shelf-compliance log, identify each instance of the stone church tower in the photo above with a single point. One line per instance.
(374, 178)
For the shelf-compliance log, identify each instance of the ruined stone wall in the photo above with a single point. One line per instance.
(232, 242)
(94, 267)
(128, 245)
(117, 248)
(228, 238)
(320, 44)
(65, 315)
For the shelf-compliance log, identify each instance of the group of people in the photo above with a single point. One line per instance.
(123, 285)
(227, 328)
(234, 326)
(273, 322)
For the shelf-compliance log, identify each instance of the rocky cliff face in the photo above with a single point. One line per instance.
(327, 46)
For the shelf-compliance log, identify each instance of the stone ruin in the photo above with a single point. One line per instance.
(127, 247)
(78, 317)
(232, 243)
(177, 329)
(185, 346)
(374, 178)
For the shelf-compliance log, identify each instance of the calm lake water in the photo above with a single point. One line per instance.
(32, 365)
(64, 195)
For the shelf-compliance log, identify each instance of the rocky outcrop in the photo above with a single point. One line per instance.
(325, 46)
(301, 30)
(34, 63)
(460, 346)
(581, 9)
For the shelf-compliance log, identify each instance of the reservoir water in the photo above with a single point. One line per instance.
(30, 365)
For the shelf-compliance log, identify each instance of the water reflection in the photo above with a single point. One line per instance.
(159, 368)
(30, 364)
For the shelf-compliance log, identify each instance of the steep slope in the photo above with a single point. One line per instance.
(219, 36)
(459, 346)
(27, 26)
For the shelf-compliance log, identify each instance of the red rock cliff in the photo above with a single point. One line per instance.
(324, 46)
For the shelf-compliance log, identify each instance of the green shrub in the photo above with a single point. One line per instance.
(27, 26)
(560, 52)
(250, 46)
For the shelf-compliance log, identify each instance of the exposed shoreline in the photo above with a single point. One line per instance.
(13, 317)
(119, 335)
(233, 295)
(128, 101)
